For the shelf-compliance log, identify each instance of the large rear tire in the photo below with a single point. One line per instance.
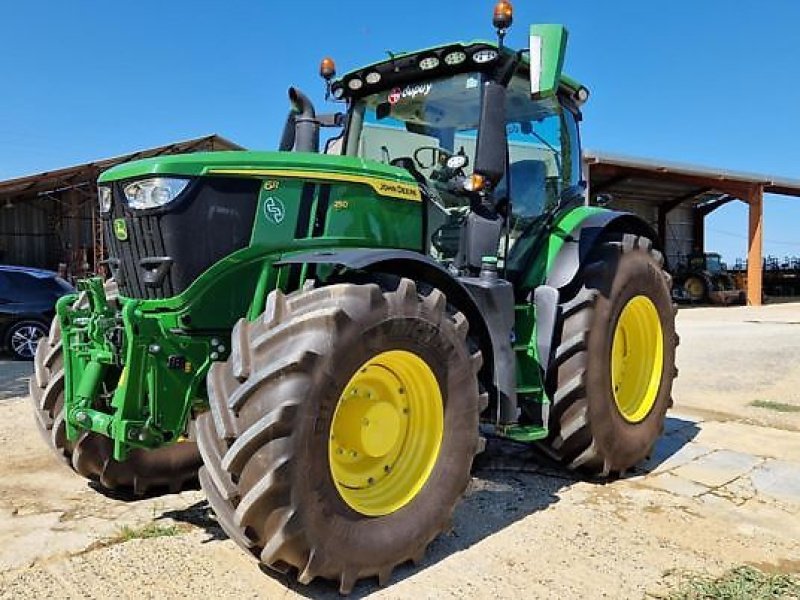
(145, 472)
(611, 377)
(342, 429)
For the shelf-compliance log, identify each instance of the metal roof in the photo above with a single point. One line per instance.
(662, 182)
(87, 173)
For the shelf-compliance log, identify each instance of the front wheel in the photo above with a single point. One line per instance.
(342, 429)
(611, 378)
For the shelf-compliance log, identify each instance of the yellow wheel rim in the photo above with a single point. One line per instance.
(637, 359)
(386, 433)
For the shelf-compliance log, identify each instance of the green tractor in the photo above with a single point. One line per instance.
(326, 339)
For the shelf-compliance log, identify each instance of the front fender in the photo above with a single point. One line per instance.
(421, 268)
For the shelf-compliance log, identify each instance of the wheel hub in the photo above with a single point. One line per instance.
(370, 428)
(386, 432)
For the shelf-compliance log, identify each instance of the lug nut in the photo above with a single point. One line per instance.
(154, 348)
(214, 356)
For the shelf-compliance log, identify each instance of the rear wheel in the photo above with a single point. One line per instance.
(342, 429)
(611, 378)
(696, 288)
(145, 471)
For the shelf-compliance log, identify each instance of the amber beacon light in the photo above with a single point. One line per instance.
(503, 17)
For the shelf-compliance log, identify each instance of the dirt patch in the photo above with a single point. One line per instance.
(720, 491)
(524, 527)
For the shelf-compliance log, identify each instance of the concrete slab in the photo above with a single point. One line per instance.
(758, 441)
(675, 485)
(672, 452)
(778, 479)
(718, 468)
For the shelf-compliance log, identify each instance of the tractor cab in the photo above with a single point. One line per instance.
(490, 137)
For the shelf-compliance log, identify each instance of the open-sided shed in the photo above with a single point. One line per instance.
(675, 198)
(50, 219)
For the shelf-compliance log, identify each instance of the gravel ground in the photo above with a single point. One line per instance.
(722, 489)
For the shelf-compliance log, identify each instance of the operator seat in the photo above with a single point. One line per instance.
(528, 191)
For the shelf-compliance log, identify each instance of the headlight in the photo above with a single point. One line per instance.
(355, 84)
(155, 192)
(104, 198)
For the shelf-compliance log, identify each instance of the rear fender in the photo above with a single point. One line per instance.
(584, 236)
(566, 264)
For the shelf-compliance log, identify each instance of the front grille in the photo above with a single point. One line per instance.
(212, 218)
(144, 240)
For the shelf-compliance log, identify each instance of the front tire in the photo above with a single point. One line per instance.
(293, 467)
(611, 378)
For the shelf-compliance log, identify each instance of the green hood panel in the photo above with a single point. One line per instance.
(205, 163)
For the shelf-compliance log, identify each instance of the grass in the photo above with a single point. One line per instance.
(776, 406)
(740, 583)
(127, 533)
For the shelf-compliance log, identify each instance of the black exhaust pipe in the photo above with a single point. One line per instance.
(306, 126)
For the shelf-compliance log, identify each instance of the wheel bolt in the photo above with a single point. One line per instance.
(370, 481)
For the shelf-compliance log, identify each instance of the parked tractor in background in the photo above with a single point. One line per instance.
(332, 336)
(705, 278)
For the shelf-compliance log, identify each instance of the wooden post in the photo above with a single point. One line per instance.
(755, 239)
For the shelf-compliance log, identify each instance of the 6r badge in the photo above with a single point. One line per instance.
(274, 210)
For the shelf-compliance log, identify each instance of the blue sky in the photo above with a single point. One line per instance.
(711, 82)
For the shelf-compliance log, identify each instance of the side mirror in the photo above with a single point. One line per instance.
(490, 154)
(548, 45)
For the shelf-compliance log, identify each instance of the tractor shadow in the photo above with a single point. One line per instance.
(198, 515)
(510, 482)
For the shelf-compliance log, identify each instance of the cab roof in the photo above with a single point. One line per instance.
(404, 60)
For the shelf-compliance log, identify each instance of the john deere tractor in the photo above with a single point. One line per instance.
(330, 336)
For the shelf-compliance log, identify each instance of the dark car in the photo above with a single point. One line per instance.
(27, 306)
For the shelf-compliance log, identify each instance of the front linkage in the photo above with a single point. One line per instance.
(130, 374)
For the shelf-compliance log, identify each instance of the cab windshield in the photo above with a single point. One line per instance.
(419, 127)
(430, 129)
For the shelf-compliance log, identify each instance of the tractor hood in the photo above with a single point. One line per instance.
(251, 163)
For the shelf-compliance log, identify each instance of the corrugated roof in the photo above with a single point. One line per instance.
(684, 176)
(50, 181)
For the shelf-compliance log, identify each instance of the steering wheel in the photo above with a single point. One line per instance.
(436, 156)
